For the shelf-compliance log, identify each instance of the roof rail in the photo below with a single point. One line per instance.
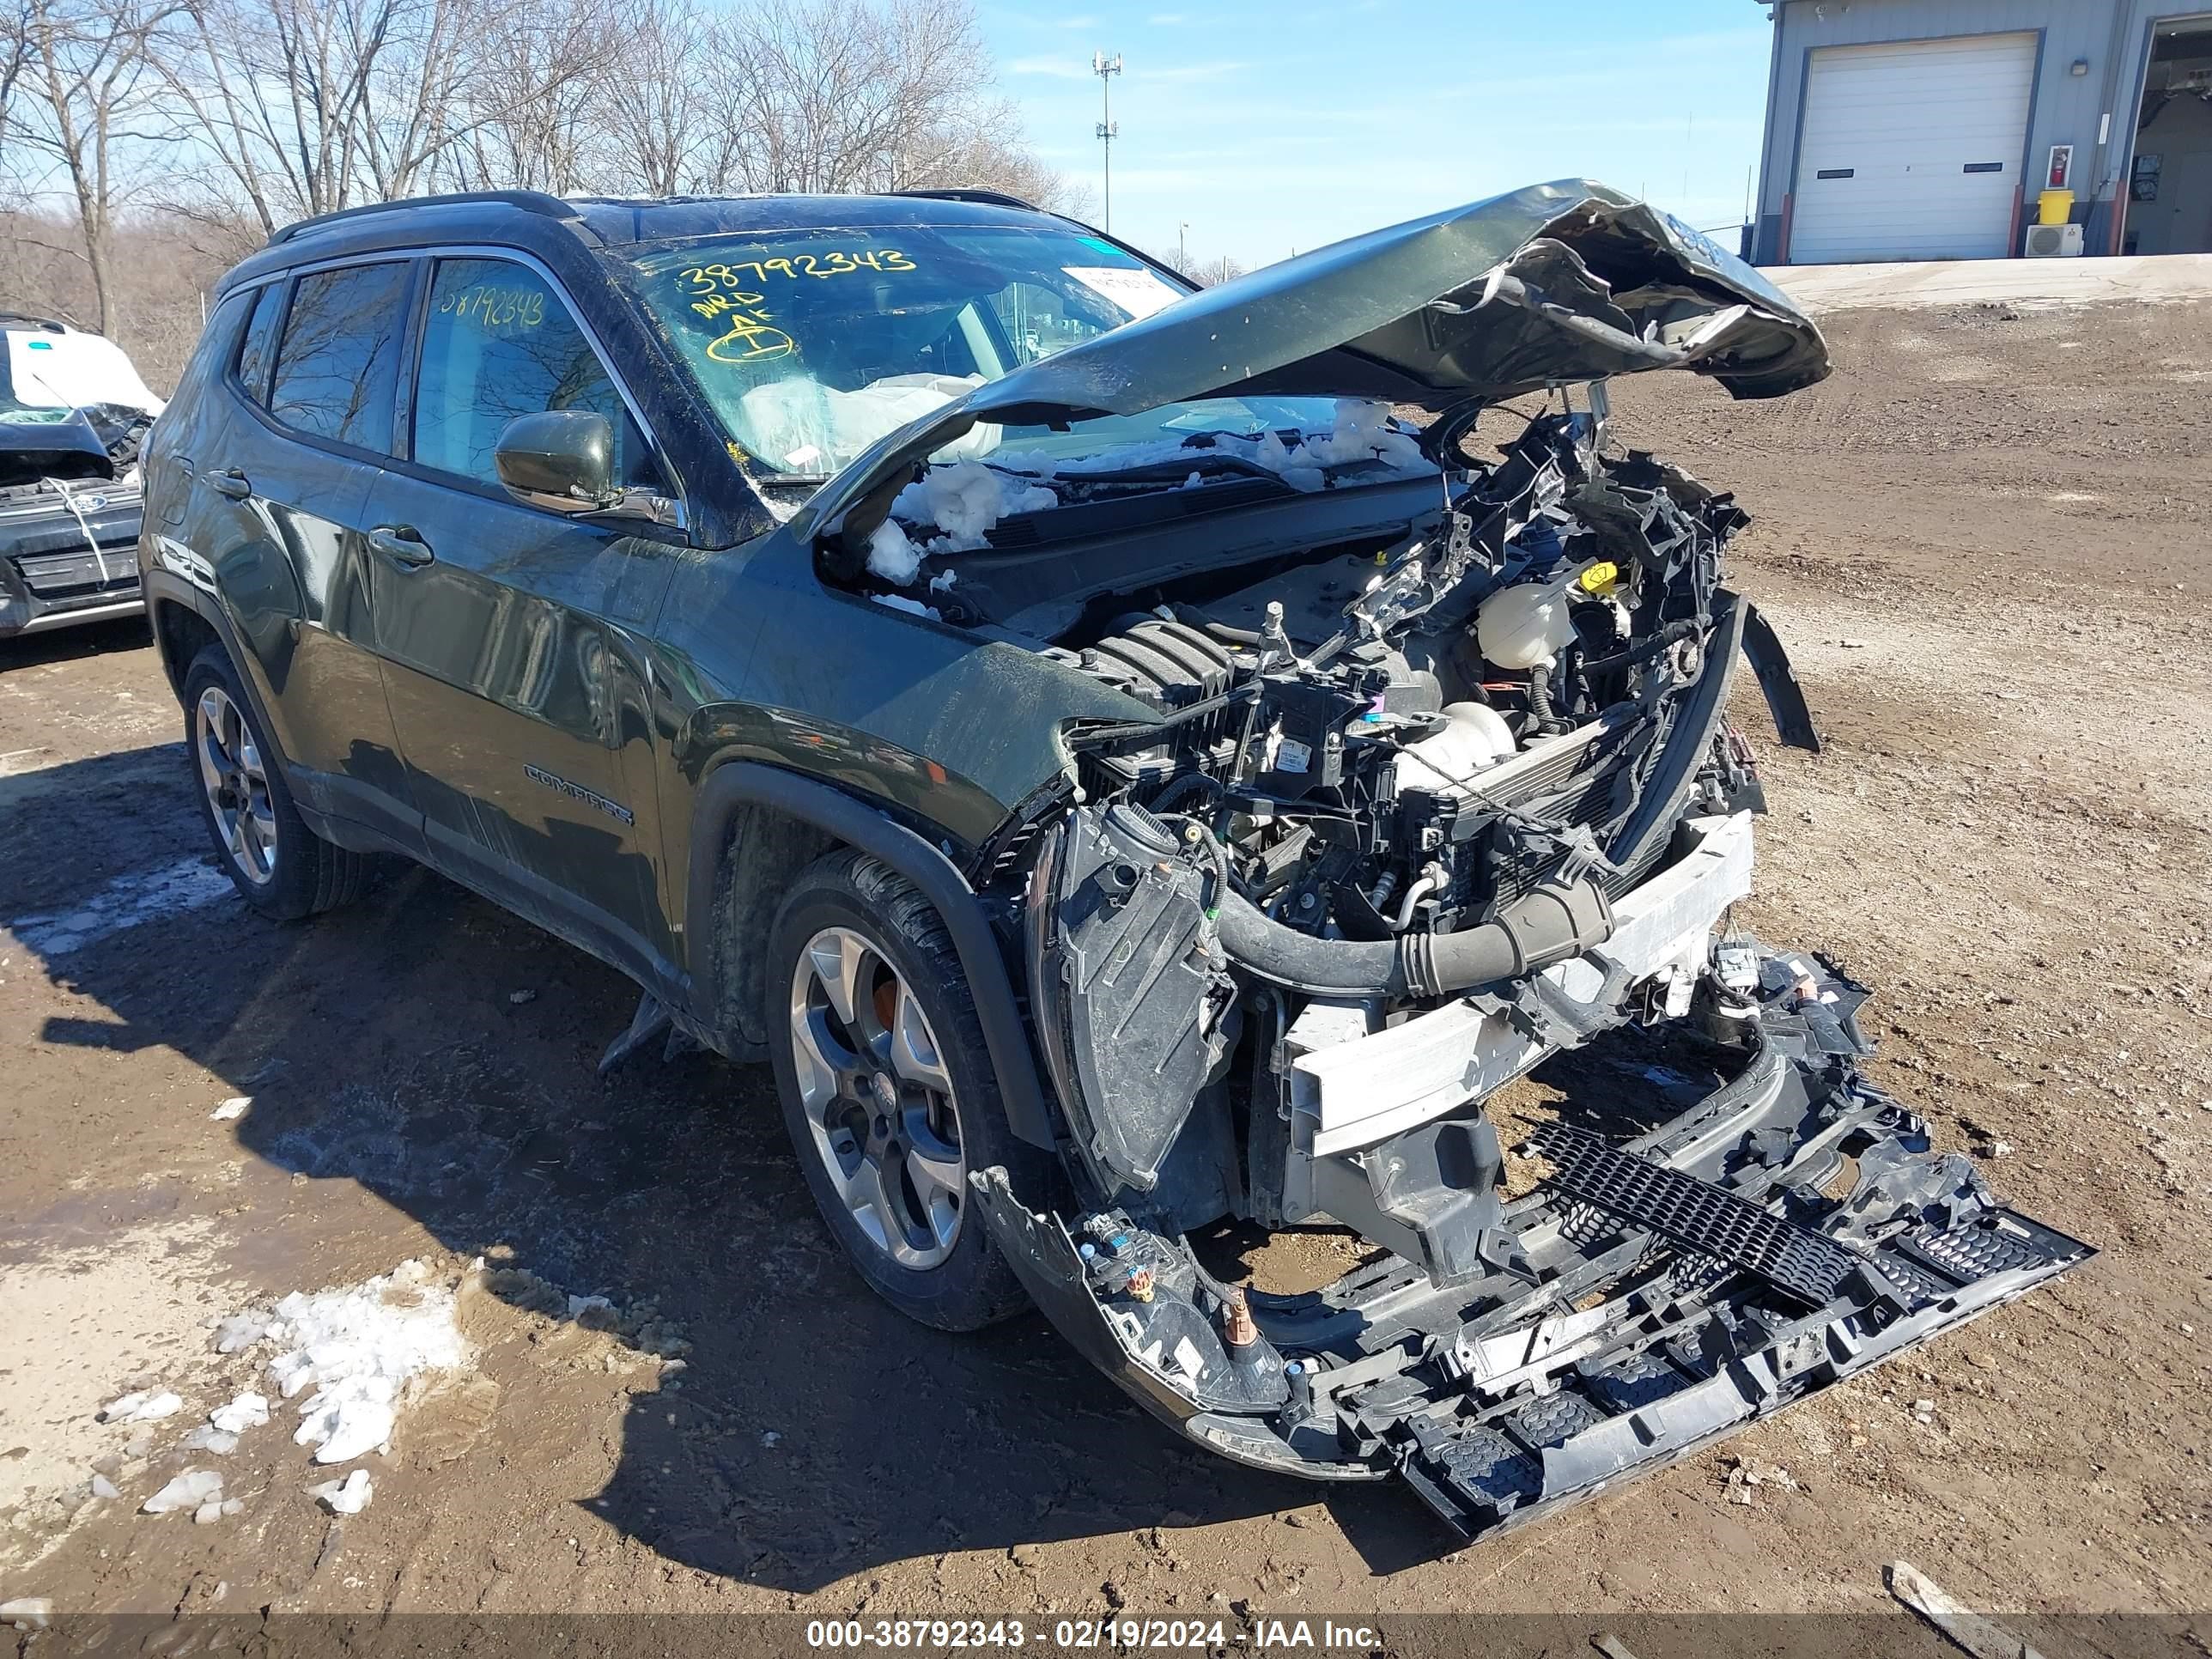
(24, 320)
(528, 201)
(961, 193)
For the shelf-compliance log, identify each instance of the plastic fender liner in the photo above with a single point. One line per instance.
(858, 824)
(1785, 698)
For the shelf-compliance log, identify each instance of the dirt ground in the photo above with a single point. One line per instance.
(1988, 539)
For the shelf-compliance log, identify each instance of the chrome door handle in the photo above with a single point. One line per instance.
(231, 482)
(400, 544)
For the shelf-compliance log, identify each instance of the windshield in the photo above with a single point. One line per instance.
(808, 346)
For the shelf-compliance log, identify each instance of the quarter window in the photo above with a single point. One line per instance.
(259, 350)
(499, 343)
(338, 369)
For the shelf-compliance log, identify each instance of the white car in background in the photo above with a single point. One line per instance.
(74, 413)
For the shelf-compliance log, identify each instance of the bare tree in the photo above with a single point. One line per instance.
(15, 58)
(662, 112)
(85, 81)
(198, 127)
(533, 110)
(309, 106)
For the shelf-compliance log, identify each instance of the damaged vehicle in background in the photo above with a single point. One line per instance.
(74, 415)
(1124, 778)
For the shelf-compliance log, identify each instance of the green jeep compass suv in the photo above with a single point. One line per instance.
(1129, 758)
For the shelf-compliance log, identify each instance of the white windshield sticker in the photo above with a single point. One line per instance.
(1137, 291)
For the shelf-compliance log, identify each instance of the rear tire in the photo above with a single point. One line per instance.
(279, 865)
(889, 1093)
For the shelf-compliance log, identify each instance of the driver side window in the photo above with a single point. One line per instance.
(499, 343)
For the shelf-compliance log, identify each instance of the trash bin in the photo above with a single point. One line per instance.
(2053, 207)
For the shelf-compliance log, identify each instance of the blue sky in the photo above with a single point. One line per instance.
(1270, 127)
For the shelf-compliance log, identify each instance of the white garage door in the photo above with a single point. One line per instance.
(1911, 151)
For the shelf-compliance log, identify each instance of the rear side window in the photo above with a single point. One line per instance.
(259, 351)
(498, 342)
(337, 365)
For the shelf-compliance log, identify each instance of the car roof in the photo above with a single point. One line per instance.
(529, 218)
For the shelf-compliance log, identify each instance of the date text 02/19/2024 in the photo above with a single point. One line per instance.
(1079, 1634)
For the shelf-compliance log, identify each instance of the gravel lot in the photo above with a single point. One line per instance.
(1986, 539)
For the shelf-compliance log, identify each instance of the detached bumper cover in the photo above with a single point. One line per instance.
(1661, 1292)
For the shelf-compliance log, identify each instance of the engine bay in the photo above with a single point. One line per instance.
(1368, 783)
(1401, 824)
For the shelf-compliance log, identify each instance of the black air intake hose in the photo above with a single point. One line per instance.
(1557, 921)
(1540, 710)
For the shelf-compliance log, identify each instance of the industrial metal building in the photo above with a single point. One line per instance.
(1930, 129)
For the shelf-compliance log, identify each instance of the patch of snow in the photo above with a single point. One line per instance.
(142, 1408)
(900, 602)
(189, 1491)
(1363, 432)
(360, 1347)
(123, 902)
(942, 582)
(248, 1411)
(967, 499)
(103, 1487)
(235, 1107)
(27, 1612)
(209, 1438)
(347, 1496)
(891, 556)
(240, 1331)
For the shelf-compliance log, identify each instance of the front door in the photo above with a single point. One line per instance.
(521, 714)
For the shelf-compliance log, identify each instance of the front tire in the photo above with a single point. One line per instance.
(888, 1091)
(279, 865)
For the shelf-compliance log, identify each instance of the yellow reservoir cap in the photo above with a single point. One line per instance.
(1599, 578)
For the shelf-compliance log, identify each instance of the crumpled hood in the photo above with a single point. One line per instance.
(66, 447)
(1555, 283)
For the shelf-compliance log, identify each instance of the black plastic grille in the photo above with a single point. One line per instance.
(1974, 1252)
(1488, 1469)
(57, 575)
(1698, 1214)
(1553, 1420)
(1636, 1382)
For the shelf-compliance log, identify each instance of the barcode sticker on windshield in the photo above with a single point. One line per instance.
(1137, 291)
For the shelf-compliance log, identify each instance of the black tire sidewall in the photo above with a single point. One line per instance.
(289, 894)
(973, 1286)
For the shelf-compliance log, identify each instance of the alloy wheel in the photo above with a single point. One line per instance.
(237, 784)
(877, 1097)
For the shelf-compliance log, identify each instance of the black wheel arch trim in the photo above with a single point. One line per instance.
(161, 587)
(736, 784)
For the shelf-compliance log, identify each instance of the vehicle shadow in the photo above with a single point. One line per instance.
(441, 1054)
(67, 644)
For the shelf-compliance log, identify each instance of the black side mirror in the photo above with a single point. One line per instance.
(562, 459)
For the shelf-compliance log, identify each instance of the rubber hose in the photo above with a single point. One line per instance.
(1557, 921)
(1191, 616)
(1539, 701)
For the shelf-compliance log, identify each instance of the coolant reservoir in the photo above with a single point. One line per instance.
(1527, 625)
(1474, 736)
